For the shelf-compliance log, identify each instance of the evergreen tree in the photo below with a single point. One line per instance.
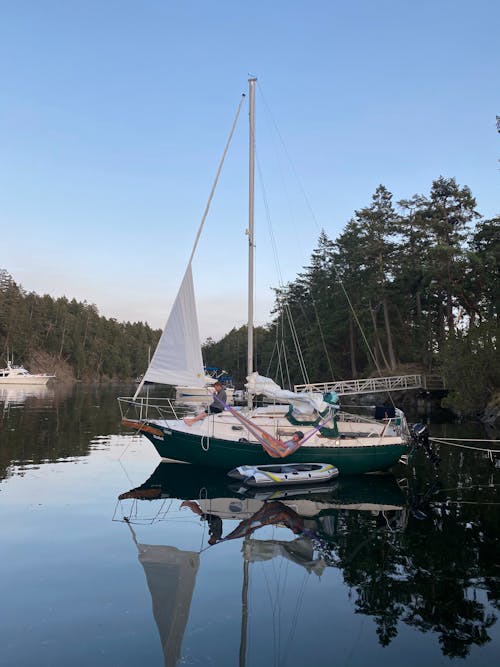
(450, 211)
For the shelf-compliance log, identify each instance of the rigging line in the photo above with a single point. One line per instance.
(454, 444)
(283, 366)
(276, 347)
(280, 276)
(285, 363)
(368, 347)
(279, 366)
(277, 350)
(271, 359)
(278, 269)
(125, 450)
(203, 533)
(280, 169)
(286, 310)
(278, 373)
(351, 307)
(207, 207)
(285, 149)
(387, 522)
(467, 488)
(288, 374)
(314, 219)
(319, 229)
(468, 439)
(459, 502)
(275, 608)
(358, 323)
(295, 340)
(161, 512)
(268, 216)
(296, 615)
(124, 470)
(205, 213)
(323, 341)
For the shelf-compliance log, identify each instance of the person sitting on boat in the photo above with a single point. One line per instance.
(296, 438)
(216, 406)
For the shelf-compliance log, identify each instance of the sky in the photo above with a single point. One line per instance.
(114, 115)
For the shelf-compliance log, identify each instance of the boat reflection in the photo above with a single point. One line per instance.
(209, 494)
(171, 577)
(387, 546)
(232, 513)
(189, 482)
(16, 395)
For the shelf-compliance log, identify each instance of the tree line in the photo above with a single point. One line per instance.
(94, 347)
(407, 283)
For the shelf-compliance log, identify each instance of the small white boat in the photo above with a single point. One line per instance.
(19, 375)
(281, 474)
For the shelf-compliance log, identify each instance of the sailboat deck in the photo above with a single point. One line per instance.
(224, 426)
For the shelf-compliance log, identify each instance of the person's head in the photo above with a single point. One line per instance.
(297, 436)
(217, 385)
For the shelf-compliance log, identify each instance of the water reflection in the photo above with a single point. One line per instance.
(380, 565)
(426, 560)
(314, 521)
(171, 577)
(53, 423)
(16, 395)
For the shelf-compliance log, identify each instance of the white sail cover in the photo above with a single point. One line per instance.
(177, 359)
(303, 403)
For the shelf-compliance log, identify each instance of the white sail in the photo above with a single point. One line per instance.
(177, 359)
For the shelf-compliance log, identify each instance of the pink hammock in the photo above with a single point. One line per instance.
(273, 446)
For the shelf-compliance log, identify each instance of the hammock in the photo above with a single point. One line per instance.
(270, 513)
(273, 446)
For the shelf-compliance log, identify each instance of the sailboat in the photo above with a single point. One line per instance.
(352, 443)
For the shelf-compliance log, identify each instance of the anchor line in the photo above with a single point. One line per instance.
(441, 441)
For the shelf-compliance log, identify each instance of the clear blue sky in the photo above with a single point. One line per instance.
(114, 113)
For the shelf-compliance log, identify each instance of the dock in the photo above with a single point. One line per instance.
(427, 383)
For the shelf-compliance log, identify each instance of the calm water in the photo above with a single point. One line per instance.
(384, 570)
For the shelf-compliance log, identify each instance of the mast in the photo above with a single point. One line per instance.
(250, 232)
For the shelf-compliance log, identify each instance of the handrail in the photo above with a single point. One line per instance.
(365, 386)
(147, 408)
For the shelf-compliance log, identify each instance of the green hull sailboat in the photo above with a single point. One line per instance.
(353, 443)
(218, 452)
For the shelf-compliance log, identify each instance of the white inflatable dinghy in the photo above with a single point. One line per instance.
(280, 474)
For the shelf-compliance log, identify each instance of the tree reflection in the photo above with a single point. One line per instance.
(430, 576)
(430, 564)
